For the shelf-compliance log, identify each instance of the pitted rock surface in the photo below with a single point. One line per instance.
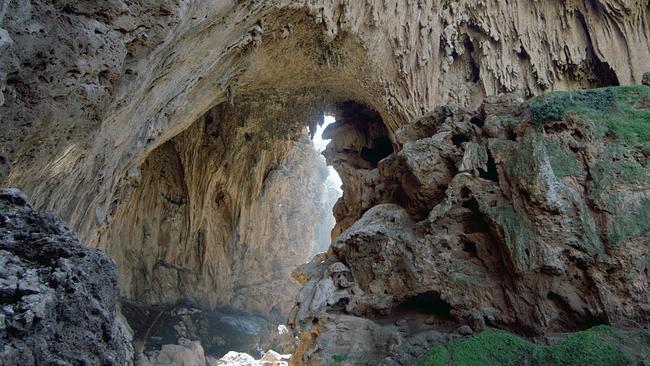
(58, 297)
(517, 216)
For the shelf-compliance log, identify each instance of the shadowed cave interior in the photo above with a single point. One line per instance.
(295, 193)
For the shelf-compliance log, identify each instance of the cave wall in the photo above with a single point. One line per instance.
(529, 216)
(221, 214)
(102, 103)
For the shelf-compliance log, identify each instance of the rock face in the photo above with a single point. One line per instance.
(58, 297)
(100, 97)
(209, 207)
(218, 332)
(172, 134)
(529, 217)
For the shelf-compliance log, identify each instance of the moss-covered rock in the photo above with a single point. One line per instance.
(553, 106)
(610, 110)
(601, 345)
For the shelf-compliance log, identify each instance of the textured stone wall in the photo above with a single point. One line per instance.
(103, 111)
(58, 297)
(221, 214)
(530, 217)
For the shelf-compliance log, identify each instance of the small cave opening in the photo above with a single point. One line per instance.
(360, 136)
(491, 173)
(382, 148)
(332, 188)
(422, 312)
(428, 303)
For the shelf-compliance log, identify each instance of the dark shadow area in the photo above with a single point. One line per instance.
(219, 331)
(363, 138)
(428, 303)
(491, 173)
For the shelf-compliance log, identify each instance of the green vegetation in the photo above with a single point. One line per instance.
(601, 345)
(606, 173)
(632, 218)
(631, 221)
(339, 358)
(517, 234)
(610, 110)
(563, 162)
(614, 115)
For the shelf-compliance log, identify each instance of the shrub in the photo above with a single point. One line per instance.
(594, 347)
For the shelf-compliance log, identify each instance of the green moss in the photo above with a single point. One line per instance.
(612, 170)
(601, 345)
(606, 110)
(563, 161)
(630, 221)
(553, 106)
(606, 173)
(518, 235)
(489, 348)
(339, 358)
(596, 346)
(437, 356)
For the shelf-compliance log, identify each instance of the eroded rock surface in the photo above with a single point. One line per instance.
(218, 332)
(93, 93)
(222, 213)
(530, 217)
(170, 132)
(58, 298)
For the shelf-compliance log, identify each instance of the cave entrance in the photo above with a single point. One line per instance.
(332, 189)
(226, 210)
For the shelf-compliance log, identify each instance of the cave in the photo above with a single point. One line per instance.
(225, 210)
(168, 195)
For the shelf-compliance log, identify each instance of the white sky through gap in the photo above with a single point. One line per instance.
(320, 144)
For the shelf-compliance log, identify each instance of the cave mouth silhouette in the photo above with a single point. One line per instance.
(332, 189)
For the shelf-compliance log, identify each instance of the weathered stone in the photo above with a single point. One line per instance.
(510, 240)
(172, 134)
(186, 353)
(58, 297)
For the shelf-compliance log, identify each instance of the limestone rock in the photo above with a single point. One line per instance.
(236, 359)
(172, 134)
(58, 297)
(186, 353)
(518, 235)
(95, 92)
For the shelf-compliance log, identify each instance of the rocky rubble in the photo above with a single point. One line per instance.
(58, 297)
(105, 104)
(530, 217)
(190, 353)
(218, 332)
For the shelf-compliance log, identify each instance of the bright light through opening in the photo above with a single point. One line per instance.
(333, 179)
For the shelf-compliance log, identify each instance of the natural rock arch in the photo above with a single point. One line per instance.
(186, 90)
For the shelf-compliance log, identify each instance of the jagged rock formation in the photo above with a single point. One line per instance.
(528, 217)
(58, 297)
(218, 332)
(169, 133)
(92, 93)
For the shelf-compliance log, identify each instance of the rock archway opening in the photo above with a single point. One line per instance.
(332, 189)
(226, 210)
